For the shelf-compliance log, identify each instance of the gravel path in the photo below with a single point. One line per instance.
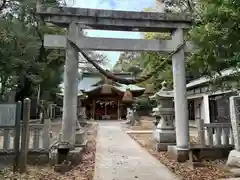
(119, 157)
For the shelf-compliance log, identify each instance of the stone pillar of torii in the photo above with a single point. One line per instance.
(69, 118)
(180, 93)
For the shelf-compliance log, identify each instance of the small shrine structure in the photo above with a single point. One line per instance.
(106, 99)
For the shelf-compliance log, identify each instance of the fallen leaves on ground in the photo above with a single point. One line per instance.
(212, 170)
(84, 171)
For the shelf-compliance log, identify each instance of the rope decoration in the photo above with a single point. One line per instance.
(118, 79)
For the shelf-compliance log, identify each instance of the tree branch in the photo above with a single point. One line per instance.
(2, 6)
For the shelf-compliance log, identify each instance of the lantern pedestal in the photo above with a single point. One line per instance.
(165, 132)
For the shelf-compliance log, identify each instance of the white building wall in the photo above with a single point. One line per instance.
(199, 108)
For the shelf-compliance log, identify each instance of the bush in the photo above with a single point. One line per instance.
(145, 104)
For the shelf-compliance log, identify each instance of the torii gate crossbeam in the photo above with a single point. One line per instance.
(115, 44)
(116, 20)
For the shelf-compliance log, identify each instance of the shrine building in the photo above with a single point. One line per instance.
(105, 99)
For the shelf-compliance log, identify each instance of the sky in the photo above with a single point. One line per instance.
(126, 5)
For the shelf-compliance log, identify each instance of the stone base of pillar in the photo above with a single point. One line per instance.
(164, 137)
(234, 159)
(74, 156)
(178, 154)
(163, 146)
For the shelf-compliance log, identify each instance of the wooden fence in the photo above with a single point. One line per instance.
(39, 136)
(215, 134)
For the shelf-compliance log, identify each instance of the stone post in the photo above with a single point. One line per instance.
(234, 155)
(46, 133)
(70, 89)
(180, 100)
(24, 136)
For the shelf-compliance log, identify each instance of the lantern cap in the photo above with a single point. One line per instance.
(163, 93)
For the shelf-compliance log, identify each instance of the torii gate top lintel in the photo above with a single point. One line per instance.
(116, 20)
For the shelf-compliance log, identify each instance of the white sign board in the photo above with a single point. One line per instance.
(235, 119)
(7, 114)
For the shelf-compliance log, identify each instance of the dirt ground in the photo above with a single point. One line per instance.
(84, 171)
(211, 170)
(146, 124)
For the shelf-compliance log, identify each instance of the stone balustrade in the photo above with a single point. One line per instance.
(39, 137)
(215, 134)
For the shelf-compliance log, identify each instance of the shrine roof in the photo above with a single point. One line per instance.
(204, 79)
(121, 88)
(90, 82)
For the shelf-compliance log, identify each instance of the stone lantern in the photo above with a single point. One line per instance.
(165, 131)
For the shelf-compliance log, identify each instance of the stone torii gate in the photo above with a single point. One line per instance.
(75, 18)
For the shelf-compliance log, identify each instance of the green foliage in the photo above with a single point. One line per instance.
(125, 61)
(216, 34)
(143, 103)
(186, 6)
(24, 62)
(217, 38)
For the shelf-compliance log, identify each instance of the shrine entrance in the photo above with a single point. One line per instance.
(105, 99)
(106, 109)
